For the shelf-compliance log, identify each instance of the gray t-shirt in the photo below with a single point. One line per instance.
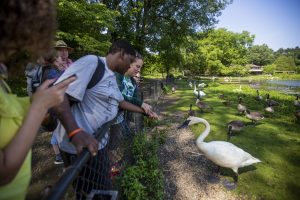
(96, 106)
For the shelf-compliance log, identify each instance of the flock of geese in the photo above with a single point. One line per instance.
(224, 153)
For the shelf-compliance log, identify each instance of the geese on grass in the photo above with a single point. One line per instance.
(253, 116)
(223, 154)
(234, 126)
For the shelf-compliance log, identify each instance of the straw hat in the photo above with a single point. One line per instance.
(62, 44)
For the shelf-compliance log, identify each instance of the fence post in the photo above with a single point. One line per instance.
(138, 117)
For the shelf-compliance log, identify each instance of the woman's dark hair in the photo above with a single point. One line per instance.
(26, 26)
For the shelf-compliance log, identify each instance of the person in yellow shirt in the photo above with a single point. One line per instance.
(25, 26)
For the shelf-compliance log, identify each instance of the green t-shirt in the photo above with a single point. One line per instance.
(12, 112)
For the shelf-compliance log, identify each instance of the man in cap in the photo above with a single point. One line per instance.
(63, 51)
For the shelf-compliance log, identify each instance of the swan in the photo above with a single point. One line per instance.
(201, 85)
(223, 154)
(202, 94)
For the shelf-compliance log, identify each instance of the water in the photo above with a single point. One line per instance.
(283, 86)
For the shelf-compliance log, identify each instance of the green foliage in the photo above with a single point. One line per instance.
(18, 87)
(285, 63)
(269, 69)
(144, 180)
(84, 25)
(236, 70)
(260, 55)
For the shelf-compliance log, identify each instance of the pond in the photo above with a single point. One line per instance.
(283, 86)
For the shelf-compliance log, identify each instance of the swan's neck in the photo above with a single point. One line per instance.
(205, 133)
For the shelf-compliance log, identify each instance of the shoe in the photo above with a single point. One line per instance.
(58, 160)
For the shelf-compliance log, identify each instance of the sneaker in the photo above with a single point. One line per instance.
(58, 160)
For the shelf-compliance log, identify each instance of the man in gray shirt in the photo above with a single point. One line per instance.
(94, 107)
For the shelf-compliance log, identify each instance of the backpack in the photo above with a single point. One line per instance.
(33, 75)
(50, 121)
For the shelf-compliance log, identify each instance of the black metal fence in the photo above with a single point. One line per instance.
(88, 183)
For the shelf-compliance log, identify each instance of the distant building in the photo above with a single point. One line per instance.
(255, 69)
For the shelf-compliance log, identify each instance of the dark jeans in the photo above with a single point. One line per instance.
(95, 175)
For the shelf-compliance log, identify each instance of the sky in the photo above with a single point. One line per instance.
(273, 22)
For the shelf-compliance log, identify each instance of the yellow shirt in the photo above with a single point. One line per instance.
(12, 111)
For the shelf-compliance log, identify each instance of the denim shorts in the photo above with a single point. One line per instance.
(53, 140)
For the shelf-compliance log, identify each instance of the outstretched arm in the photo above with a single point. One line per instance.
(14, 154)
(133, 108)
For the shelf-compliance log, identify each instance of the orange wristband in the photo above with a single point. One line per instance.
(74, 132)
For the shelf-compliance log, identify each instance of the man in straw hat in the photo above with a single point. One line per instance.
(63, 51)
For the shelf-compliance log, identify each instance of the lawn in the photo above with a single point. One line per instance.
(274, 140)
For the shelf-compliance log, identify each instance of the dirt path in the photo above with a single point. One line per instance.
(185, 171)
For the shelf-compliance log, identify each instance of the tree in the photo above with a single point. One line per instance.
(222, 49)
(285, 63)
(260, 55)
(83, 25)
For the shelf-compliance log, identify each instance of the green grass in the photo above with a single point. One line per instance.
(274, 140)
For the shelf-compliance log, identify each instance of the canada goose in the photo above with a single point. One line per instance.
(234, 126)
(223, 154)
(271, 102)
(191, 112)
(259, 98)
(296, 102)
(297, 115)
(254, 116)
(173, 89)
(269, 108)
(221, 96)
(202, 94)
(201, 105)
(241, 108)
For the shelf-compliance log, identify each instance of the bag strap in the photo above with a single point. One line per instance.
(98, 74)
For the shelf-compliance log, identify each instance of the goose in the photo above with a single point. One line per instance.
(271, 102)
(297, 115)
(223, 154)
(173, 89)
(254, 116)
(221, 96)
(296, 102)
(259, 98)
(201, 105)
(234, 126)
(241, 108)
(202, 94)
(191, 112)
(227, 102)
(269, 108)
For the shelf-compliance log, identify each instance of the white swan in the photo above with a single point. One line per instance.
(201, 93)
(223, 154)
